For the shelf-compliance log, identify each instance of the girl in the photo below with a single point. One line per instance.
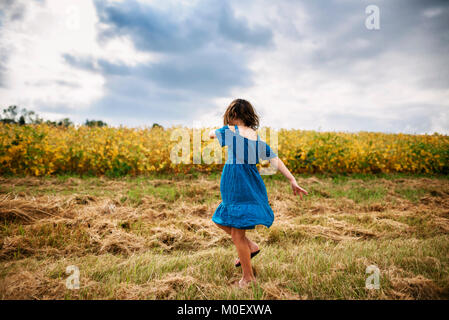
(245, 200)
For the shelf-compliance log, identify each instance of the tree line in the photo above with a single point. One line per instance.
(15, 115)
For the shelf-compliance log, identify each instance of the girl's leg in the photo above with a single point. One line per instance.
(251, 244)
(226, 229)
(239, 239)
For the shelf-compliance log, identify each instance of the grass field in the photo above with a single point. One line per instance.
(152, 238)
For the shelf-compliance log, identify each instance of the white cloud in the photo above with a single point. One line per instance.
(313, 77)
(373, 92)
(37, 75)
(432, 12)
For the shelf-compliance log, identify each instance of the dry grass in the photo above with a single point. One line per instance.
(152, 238)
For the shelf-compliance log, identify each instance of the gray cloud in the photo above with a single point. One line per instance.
(14, 10)
(10, 11)
(410, 40)
(165, 91)
(163, 31)
(414, 119)
(337, 26)
(3, 69)
(204, 52)
(237, 30)
(203, 58)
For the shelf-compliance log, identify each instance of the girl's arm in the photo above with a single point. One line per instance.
(212, 134)
(279, 164)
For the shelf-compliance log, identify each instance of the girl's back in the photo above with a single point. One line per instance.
(241, 149)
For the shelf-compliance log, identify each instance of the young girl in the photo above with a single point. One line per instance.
(245, 201)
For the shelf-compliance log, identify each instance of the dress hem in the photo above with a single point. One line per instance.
(231, 226)
(251, 214)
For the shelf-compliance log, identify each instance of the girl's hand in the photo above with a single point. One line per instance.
(297, 189)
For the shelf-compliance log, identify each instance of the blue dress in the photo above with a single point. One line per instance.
(244, 196)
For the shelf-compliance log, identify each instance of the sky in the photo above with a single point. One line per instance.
(309, 65)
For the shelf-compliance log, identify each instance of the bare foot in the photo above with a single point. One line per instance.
(252, 245)
(244, 283)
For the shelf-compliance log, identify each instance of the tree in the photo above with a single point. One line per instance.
(9, 114)
(12, 114)
(32, 117)
(66, 122)
(95, 123)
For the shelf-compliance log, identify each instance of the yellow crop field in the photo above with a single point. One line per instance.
(44, 150)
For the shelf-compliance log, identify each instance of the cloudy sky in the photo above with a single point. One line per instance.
(303, 64)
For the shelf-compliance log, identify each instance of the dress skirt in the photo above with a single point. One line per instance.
(244, 198)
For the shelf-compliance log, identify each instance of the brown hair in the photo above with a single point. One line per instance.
(243, 110)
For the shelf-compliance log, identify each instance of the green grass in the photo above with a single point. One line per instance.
(159, 243)
(412, 194)
(314, 271)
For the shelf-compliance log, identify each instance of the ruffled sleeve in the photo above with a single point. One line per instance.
(265, 152)
(223, 135)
